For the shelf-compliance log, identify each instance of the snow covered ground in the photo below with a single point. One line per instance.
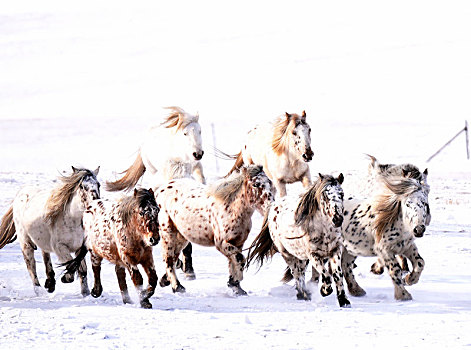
(79, 83)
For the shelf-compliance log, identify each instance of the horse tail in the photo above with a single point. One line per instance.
(7, 228)
(262, 247)
(130, 178)
(72, 266)
(239, 162)
(288, 276)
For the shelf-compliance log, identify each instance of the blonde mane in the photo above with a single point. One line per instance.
(60, 198)
(178, 119)
(129, 204)
(388, 205)
(227, 189)
(309, 203)
(282, 129)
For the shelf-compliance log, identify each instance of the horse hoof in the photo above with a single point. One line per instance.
(85, 292)
(377, 269)
(127, 301)
(164, 282)
(179, 264)
(325, 291)
(96, 292)
(411, 279)
(190, 276)
(179, 289)
(403, 296)
(145, 304)
(67, 278)
(240, 292)
(39, 291)
(343, 301)
(303, 296)
(50, 285)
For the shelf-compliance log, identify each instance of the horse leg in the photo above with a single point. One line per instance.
(96, 267)
(198, 173)
(378, 268)
(315, 275)
(187, 263)
(50, 284)
(400, 293)
(280, 187)
(306, 179)
(298, 268)
(236, 264)
(136, 278)
(172, 244)
(82, 272)
(64, 255)
(348, 263)
(123, 287)
(337, 274)
(148, 265)
(418, 265)
(318, 263)
(27, 249)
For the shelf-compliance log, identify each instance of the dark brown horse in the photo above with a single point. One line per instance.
(122, 232)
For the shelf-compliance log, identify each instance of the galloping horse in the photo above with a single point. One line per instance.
(52, 221)
(376, 171)
(283, 148)
(217, 215)
(385, 226)
(122, 232)
(180, 136)
(306, 229)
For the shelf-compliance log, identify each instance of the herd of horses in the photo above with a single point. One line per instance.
(319, 226)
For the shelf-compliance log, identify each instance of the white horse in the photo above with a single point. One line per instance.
(52, 221)
(172, 148)
(283, 148)
(306, 229)
(386, 226)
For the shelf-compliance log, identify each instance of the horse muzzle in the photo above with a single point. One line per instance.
(337, 220)
(308, 155)
(198, 155)
(419, 231)
(154, 241)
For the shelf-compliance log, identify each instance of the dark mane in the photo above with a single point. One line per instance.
(129, 204)
(60, 197)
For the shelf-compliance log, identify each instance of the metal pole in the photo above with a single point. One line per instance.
(467, 137)
(446, 144)
(214, 145)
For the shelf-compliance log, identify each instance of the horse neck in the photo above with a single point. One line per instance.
(78, 205)
(243, 204)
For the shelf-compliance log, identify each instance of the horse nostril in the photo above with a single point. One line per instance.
(419, 230)
(153, 241)
(338, 220)
(199, 155)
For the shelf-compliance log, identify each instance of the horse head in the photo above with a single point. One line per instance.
(89, 187)
(331, 199)
(260, 187)
(148, 211)
(300, 138)
(416, 211)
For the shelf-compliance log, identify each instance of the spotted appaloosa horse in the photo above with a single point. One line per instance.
(376, 171)
(218, 215)
(307, 229)
(179, 135)
(283, 147)
(52, 221)
(385, 226)
(123, 233)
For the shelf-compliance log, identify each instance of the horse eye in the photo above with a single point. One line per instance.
(185, 134)
(295, 133)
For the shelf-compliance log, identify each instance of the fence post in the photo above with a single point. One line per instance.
(465, 130)
(214, 145)
(467, 137)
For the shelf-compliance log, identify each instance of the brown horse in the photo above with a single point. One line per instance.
(122, 232)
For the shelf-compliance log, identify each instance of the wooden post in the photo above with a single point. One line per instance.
(465, 130)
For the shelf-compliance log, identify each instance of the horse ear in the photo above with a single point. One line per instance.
(135, 192)
(405, 173)
(340, 179)
(303, 116)
(426, 171)
(287, 115)
(197, 117)
(74, 169)
(321, 176)
(151, 192)
(96, 171)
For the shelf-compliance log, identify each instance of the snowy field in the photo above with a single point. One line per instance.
(80, 83)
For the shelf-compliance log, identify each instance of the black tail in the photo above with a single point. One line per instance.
(72, 266)
(288, 276)
(262, 247)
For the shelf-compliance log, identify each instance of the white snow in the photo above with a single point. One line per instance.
(80, 82)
